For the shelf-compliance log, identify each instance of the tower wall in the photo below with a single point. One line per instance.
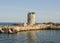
(31, 18)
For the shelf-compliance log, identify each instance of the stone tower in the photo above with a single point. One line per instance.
(31, 18)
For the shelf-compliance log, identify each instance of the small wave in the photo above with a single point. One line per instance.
(48, 42)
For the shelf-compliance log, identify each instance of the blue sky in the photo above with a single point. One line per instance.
(16, 10)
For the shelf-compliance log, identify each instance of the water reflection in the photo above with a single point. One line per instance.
(31, 36)
(42, 36)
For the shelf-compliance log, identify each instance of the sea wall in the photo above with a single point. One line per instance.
(15, 29)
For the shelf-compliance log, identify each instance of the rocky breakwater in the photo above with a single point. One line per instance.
(15, 29)
(53, 27)
(9, 29)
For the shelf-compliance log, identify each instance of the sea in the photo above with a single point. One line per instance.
(38, 36)
(9, 23)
